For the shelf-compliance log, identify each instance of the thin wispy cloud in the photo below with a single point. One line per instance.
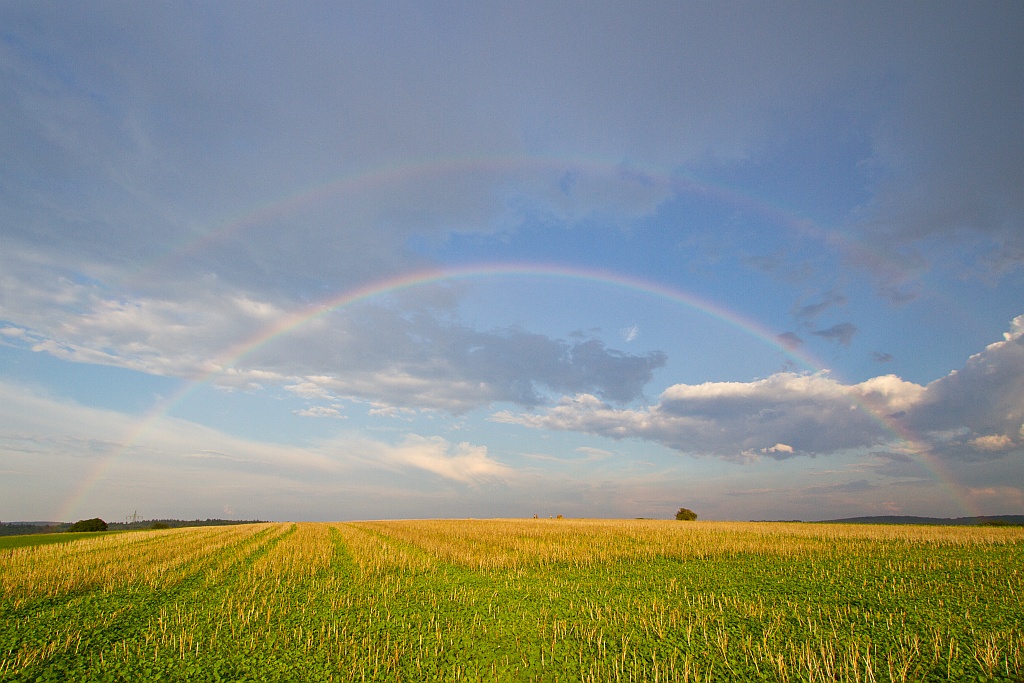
(630, 333)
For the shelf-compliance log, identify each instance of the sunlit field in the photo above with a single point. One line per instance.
(551, 600)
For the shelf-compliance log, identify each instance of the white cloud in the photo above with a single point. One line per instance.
(889, 393)
(407, 357)
(321, 411)
(810, 413)
(46, 419)
(593, 454)
(982, 400)
(788, 413)
(55, 446)
(461, 462)
(587, 454)
(310, 389)
(975, 409)
(384, 410)
(992, 442)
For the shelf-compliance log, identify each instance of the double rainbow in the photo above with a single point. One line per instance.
(237, 353)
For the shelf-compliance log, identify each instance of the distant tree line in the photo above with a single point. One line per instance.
(176, 523)
(25, 528)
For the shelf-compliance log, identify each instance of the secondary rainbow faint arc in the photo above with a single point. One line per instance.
(232, 356)
(365, 179)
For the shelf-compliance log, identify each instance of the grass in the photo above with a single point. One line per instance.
(27, 540)
(586, 600)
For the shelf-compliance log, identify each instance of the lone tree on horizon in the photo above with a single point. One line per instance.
(686, 515)
(94, 524)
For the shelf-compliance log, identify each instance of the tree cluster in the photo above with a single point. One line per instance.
(94, 524)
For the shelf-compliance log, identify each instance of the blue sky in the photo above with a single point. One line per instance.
(761, 261)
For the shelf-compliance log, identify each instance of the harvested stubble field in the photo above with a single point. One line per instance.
(551, 600)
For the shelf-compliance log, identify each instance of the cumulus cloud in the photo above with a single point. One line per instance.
(782, 415)
(981, 405)
(979, 408)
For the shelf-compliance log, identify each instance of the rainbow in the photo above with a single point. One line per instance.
(230, 358)
(555, 168)
(435, 276)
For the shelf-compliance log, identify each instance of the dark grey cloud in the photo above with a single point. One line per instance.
(420, 361)
(949, 150)
(131, 130)
(810, 312)
(841, 333)
(791, 340)
(169, 119)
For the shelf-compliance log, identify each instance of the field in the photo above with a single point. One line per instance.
(26, 540)
(550, 600)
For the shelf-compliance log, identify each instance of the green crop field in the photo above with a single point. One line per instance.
(26, 540)
(518, 600)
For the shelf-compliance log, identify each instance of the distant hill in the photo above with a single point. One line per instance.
(1015, 520)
